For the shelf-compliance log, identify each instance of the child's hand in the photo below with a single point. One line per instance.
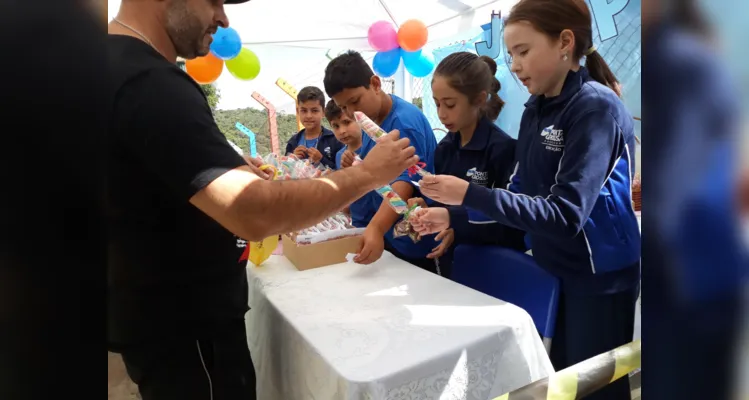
(347, 158)
(446, 237)
(430, 220)
(417, 201)
(372, 246)
(300, 152)
(446, 189)
(314, 154)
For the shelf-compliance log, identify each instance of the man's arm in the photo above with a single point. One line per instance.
(254, 209)
(171, 129)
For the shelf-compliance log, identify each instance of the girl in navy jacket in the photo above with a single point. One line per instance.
(475, 149)
(571, 190)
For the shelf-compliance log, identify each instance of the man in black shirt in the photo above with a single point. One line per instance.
(181, 203)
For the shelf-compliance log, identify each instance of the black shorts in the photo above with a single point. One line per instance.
(211, 368)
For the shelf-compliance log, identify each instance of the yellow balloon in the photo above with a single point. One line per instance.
(261, 251)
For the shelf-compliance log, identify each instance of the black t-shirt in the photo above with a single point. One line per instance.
(172, 270)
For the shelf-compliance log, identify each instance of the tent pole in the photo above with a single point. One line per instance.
(389, 13)
(402, 83)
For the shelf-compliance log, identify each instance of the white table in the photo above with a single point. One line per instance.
(385, 331)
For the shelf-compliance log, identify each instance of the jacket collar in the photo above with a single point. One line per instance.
(572, 84)
(480, 136)
(325, 133)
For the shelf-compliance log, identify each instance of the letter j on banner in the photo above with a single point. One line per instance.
(494, 47)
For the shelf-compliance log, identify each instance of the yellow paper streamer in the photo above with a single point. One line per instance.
(261, 251)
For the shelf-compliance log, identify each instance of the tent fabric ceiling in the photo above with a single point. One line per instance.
(292, 37)
(343, 24)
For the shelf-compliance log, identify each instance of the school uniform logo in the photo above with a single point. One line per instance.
(242, 244)
(478, 177)
(552, 139)
(327, 151)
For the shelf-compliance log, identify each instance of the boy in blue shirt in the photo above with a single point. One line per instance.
(347, 132)
(352, 84)
(314, 141)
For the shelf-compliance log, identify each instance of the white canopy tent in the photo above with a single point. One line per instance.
(293, 38)
(343, 24)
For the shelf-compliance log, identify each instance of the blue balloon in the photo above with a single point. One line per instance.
(386, 63)
(418, 63)
(226, 43)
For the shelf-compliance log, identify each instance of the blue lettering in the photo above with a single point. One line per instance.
(494, 47)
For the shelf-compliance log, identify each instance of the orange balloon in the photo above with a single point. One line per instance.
(206, 69)
(412, 35)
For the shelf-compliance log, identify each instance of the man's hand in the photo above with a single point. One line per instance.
(430, 220)
(446, 189)
(255, 164)
(373, 244)
(446, 237)
(347, 158)
(417, 201)
(300, 152)
(314, 154)
(389, 158)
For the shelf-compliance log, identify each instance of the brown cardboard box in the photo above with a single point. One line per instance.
(320, 254)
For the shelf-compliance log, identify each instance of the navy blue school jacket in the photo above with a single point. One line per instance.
(487, 160)
(571, 188)
(327, 144)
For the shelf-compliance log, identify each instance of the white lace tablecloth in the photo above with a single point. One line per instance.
(385, 331)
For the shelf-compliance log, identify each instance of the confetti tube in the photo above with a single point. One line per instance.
(368, 126)
(395, 201)
(404, 228)
(375, 132)
(387, 192)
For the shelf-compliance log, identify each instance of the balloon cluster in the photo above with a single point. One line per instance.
(407, 43)
(226, 48)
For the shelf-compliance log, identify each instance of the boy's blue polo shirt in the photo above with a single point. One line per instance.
(363, 209)
(411, 122)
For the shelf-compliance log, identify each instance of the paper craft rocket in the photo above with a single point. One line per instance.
(375, 132)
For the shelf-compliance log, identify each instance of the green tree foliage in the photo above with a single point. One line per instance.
(213, 95)
(254, 119)
(417, 103)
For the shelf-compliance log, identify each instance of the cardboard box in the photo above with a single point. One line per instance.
(322, 254)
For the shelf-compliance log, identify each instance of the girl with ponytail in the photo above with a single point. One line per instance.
(571, 187)
(474, 150)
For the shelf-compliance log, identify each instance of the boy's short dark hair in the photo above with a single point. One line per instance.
(311, 93)
(332, 111)
(347, 71)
